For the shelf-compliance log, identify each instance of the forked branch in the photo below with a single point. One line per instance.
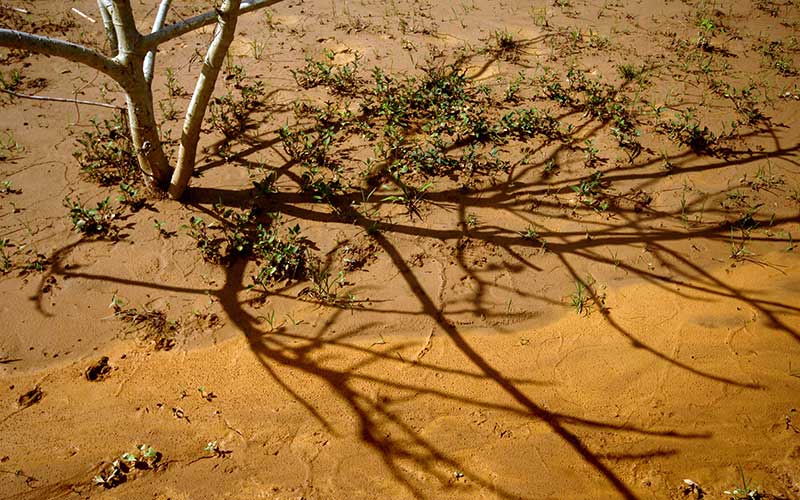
(180, 28)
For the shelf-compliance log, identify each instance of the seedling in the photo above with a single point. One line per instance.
(743, 491)
(7, 187)
(257, 49)
(130, 197)
(412, 197)
(530, 234)
(118, 471)
(326, 289)
(281, 259)
(106, 153)
(207, 395)
(739, 249)
(631, 73)
(513, 88)
(590, 153)
(231, 112)
(506, 47)
(163, 232)
(590, 192)
(9, 147)
(585, 296)
(342, 80)
(213, 448)
(550, 168)
(765, 179)
(98, 221)
(684, 129)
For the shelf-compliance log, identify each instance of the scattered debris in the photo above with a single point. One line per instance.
(30, 398)
(98, 370)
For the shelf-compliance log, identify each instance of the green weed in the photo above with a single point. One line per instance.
(327, 289)
(230, 113)
(117, 472)
(106, 153)
(97, 221)
(744, 490)
(587, 297)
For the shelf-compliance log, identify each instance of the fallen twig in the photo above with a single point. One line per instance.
(83, 15)
(61, 99)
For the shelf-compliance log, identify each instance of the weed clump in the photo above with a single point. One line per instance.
(127, 465)
(152, 326)
(230, 113)
(106, 154)
(98, 221)
(342, 80)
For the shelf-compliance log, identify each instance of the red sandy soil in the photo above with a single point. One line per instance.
(462, 371)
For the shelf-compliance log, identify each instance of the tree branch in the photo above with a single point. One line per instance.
(125, 25)
(175, 30)
(60, 48)
(108, 24)
(158, 23)
(226, 29)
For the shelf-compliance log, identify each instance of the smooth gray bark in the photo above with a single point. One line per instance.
(158, 23)
(132, 68)
(223, 36)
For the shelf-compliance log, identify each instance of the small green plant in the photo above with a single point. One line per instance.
(130, 197)
(551, 168)
(11, 82)
(507, 47)
(411, 196)
(118, 471)
(775, 56)
(7, 187)
(739, 250)
(631, 73)
(513, 88)
(765, 179)
(209, 243)
(174, 89)
(590, 192)
(214, 448)
(9, 147)
(280, 258)
(590, 153)
(230, 113)
(327, 289)
(342, 80)
(471, 220)
(257, 49)
(205, 394)
(744, 490)
(106, 153)
(684, 129)
(579, 298)
(9, 258)
(532, 235)
(586, 296)
(161, 228)
(266, 185)
(97, 221)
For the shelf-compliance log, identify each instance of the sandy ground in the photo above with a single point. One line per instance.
(462, 369)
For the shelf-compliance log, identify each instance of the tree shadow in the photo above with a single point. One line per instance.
(623, 225)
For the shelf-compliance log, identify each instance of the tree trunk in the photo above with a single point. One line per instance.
(144, 130)
(223, 36)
